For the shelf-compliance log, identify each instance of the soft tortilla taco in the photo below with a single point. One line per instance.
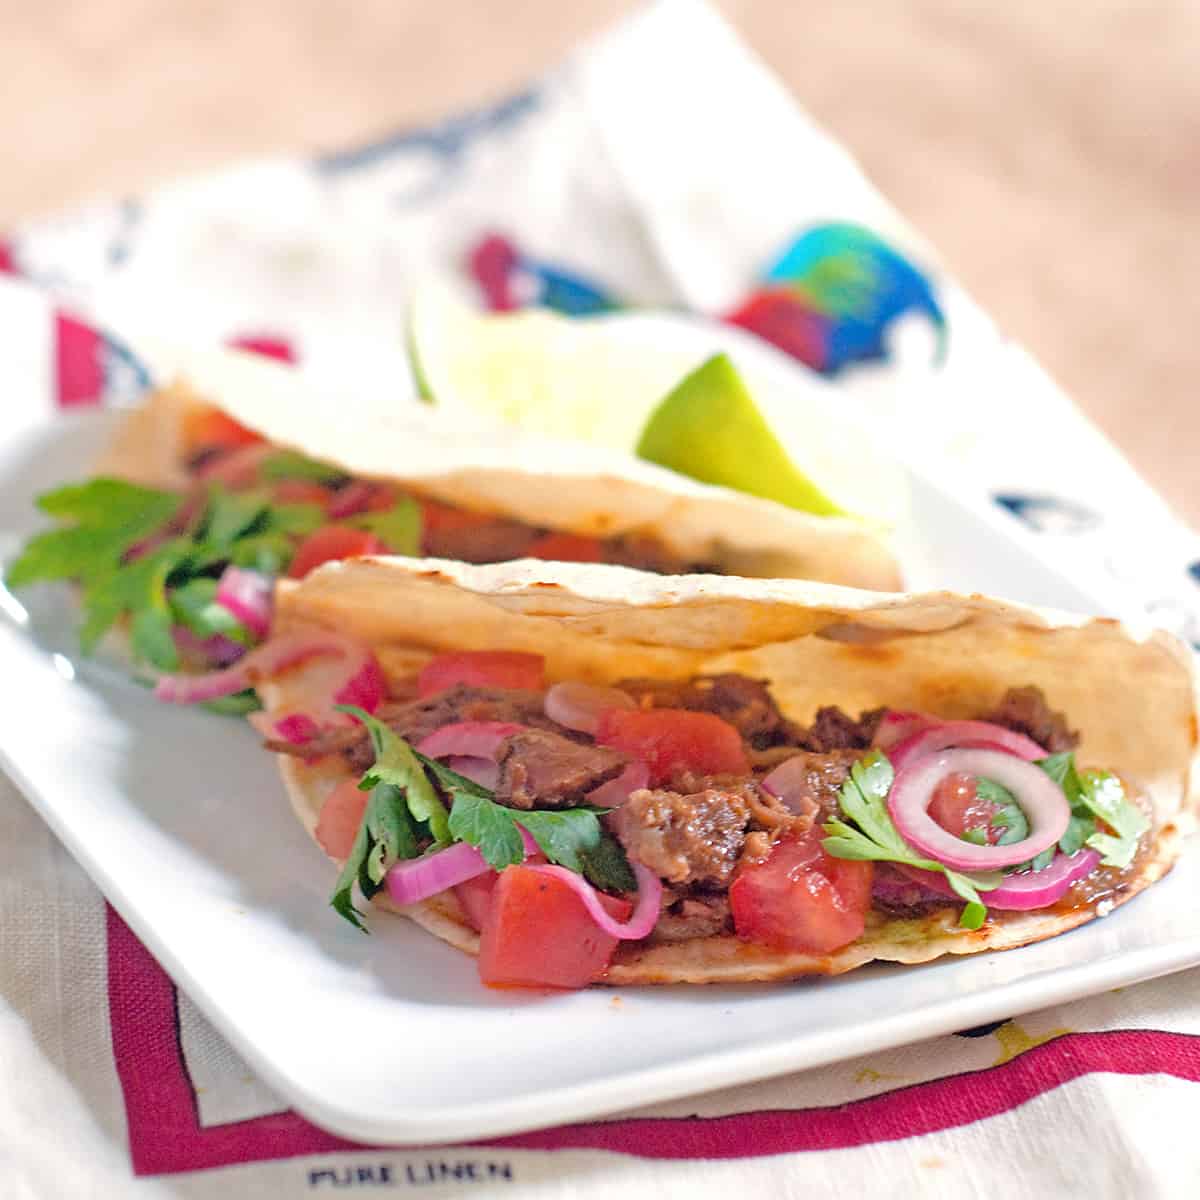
(592, 774)
(241, 472)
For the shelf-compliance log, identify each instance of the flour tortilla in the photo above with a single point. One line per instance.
(1132, 693)
(564, 485)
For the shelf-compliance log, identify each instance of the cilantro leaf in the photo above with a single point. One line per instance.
(1008, 815)
(290, 464)
(194, 605)
(563, 835)
(385, 837)
(489, 827)
(606, 867)
(399, 528)
(863, 799)
(397, 764)
(297, 519)
(109, 517)
(266, 552)
(1102, 794)
(231, 515)
(236, 705)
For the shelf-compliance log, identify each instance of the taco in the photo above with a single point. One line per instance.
(591, 774)
(243, 469)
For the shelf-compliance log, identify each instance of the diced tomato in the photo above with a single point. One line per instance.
(567, 547)
(210, 428)
(537, 933)
(332, 542)
(800, 898)
(668, 740)
(300, 491)
(956, 807)
(482, 668)
(339, 819)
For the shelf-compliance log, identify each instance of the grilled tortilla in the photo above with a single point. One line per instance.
(565, 486)
(1132, 693)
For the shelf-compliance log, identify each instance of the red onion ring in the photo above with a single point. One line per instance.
(645, 913)
(896, 726)
(964, 734)
(214, 651)
(578, 705)
(237, 468)
(249, 595)
(616, 791)
(1021, 891)
(360, 681)
(417, 879)
(1042, 800)
(468, 739)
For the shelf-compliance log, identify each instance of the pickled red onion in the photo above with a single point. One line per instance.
(896, 726)
(1042, 800)
(470, 739)
(482, 771)
(417, 879)
(789, 783)
(616, 791)
(249, 595)
(578, 705)
(351, 499)
(963, 735)
(359, 681)
(1023, 890)
(645, 912)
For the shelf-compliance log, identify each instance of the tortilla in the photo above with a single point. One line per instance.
(1131, 692)
(569, 486)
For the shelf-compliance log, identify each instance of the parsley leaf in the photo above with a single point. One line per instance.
(1009, 815)
(563, 835)
(396, 763)
(863, 799)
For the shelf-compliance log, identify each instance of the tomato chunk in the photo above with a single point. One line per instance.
(332, 542)
(537, 933)
(668, 740)
(437, 517)
(482, 668)
(801, 898)
(339, 819)
(210, 428)
(956, 807)
(567, 547)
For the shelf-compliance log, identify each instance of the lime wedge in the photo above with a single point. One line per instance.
(709, 428)
(603, 380)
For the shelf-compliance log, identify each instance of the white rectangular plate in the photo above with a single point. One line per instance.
(180, 819)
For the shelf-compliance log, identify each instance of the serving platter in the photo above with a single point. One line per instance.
(179, 818)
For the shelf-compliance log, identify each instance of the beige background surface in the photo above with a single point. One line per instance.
(1051, 151)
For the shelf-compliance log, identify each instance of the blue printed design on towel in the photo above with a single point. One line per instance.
(1048, 514)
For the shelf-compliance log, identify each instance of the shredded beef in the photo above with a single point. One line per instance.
(1024, 710)
(549, 770)
(747, 704)
(814, 785)
(486, 541)
(833, 729)
(687, 915)
(684, 839)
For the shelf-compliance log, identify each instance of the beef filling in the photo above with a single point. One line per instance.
(551, 771)
(694, 839)
(746, 703)
(1024, 710)
(687, 915)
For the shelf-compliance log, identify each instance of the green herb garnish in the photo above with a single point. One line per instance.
(1096, 796)
(290, 464)
(863, 800)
